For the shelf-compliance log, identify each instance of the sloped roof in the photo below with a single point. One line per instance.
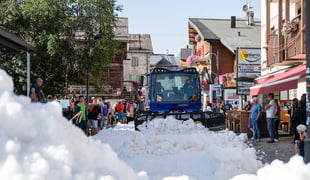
(121, 30)
(140, 42)
(164, 62)
(156, 58)
(220, 30)
(185, 52)
(10, 42)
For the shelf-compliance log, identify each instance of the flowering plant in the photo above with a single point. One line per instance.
(191, 59)
(197, 38)
(290, 27)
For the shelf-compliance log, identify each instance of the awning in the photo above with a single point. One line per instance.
(279, 82)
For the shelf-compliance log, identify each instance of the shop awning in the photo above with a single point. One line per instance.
(280, 82)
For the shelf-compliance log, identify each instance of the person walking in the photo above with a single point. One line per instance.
(256, 119)
(270, 115)
(277, 121)
(36, 93)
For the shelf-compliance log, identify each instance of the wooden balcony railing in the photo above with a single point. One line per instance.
(296, 43)
(293, 45)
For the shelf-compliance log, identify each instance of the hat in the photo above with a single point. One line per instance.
(301, 127)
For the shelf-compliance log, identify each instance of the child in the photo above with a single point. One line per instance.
(301, 130)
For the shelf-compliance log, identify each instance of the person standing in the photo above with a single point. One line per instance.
(270, 115)
(256, 119)
(81, 107)
(291, 112)
(299, 117)
(36, 93)
(277, 121)
(93, 116)
(120, 112)
(105, 112)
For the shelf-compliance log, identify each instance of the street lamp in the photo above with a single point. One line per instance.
(217, 65)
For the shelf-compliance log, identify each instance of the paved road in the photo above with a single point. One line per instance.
(282, 150)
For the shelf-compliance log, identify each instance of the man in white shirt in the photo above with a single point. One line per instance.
(270, 115)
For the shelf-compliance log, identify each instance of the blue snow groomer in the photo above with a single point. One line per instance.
(177, 93)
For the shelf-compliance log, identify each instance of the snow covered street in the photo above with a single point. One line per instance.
(170, 148)
(37, 143)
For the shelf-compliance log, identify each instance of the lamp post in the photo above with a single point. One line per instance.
(307, 140)
(218, 70)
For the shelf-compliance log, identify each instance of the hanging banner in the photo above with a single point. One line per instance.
(248, 68)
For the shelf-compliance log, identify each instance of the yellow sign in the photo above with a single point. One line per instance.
(243, 55)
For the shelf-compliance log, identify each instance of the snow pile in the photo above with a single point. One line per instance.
(169, 149)
(294, 169)
(38, 143)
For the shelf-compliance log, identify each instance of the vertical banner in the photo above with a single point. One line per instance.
(248, 68)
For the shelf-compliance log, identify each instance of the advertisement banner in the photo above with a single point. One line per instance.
(248, 68)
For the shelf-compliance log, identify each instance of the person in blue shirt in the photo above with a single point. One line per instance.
(256, 119)
(189, 88)
(227, 106)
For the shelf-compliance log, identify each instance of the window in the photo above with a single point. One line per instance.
(134, 61)
(132, 77)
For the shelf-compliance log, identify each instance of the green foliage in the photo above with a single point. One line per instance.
(65, 35)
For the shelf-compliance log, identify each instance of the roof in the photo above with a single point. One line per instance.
(10, 42)
(220, 30)
(185, 52)
(140, 42)
(164, 62)
(121, 30)
(162, 58)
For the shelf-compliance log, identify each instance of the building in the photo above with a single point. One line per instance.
(185, 53)
(283, 50)
(138, 58)
(164, 61)
(217, 43)
(112, 80)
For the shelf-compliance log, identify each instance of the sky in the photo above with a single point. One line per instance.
(167, 20)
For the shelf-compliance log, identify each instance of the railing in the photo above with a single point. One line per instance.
(292, 45)
(295, 43)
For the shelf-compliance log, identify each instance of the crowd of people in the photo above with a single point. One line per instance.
(296, 111)
(94, 116)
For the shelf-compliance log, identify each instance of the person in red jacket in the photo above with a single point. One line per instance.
(120, 112)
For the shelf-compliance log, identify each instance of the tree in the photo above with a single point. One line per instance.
(70, 36)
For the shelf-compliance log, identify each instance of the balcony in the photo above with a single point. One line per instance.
(291, 51)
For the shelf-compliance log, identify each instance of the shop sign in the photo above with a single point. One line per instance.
(248, 69)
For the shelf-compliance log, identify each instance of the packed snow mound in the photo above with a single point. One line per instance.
(295, 169)
(6, 82)
(172, 149)
(38, 143)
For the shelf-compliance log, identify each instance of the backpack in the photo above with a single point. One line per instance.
(91, 108)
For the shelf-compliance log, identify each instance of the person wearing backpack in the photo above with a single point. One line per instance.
(80, 107)
(95, 112)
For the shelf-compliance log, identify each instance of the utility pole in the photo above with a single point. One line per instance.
(307, 140)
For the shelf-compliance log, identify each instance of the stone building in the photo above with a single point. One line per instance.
(138, 59)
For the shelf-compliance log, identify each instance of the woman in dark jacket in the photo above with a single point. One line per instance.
(299, 117)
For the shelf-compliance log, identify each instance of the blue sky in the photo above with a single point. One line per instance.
(167, 20)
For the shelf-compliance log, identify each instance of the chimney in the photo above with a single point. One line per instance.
(250, 15)
(233, 21)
